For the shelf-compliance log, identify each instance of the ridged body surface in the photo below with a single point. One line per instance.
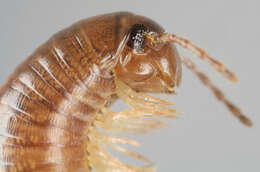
(53, 115)
(49, 102)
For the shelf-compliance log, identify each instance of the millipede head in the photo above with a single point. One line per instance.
(150, 62)
(146, 65)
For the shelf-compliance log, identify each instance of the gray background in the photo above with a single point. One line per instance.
(206, 138)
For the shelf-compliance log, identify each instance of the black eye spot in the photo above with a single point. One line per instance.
(137, 38)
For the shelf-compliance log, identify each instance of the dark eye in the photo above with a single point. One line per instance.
(137, 38)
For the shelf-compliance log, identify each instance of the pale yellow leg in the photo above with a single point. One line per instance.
(138, 119)
(145, 103)
(100, 159)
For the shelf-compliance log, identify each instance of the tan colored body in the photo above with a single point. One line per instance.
(52, 104)
(48, 104)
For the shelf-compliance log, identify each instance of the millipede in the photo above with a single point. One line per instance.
(54, 108)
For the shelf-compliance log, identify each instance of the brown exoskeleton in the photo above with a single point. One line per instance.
(53, 106)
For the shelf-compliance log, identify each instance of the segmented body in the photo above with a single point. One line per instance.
(53, 109)
(48, 104)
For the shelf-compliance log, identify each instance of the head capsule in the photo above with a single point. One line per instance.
(145, 64)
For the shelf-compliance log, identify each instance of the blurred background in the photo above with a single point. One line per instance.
(206, 137)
